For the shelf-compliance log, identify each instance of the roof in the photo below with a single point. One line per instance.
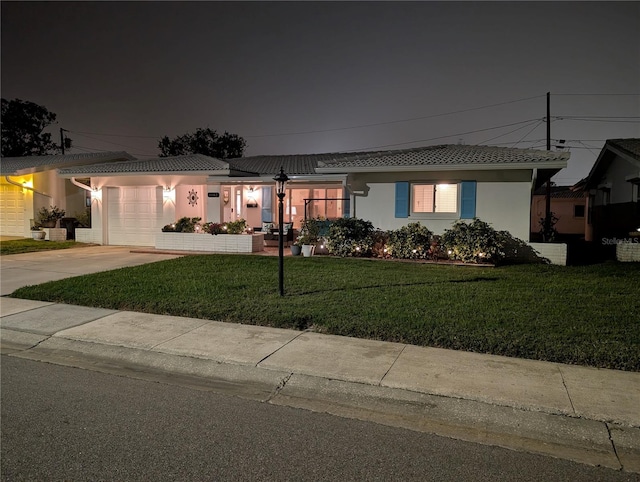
(294, 164)
(190, 163)
(12, 166)
(449, 156)
(560, 192)
(628, 149)
(628, 146)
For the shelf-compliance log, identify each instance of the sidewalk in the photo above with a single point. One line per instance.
(578, 413)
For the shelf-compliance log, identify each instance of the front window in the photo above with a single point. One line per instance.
(434, 198)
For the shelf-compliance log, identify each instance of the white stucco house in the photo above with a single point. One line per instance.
(30, 183)
(131, 200)
(435, 185)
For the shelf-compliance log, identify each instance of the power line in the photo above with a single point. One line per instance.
(598, 94)
(443, 137)
(109, 142)
(530, 131)
(93, 149)
(116, 135)
(511, 132)
(432, 116)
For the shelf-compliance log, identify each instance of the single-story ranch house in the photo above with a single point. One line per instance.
(131, 200)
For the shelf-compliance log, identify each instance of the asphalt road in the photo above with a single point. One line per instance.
(73, 424)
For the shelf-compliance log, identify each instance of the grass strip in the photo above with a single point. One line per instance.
(588, 315)
(19, 246)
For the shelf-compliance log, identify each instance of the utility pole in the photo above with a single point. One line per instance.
(547, 214)
(62, 139)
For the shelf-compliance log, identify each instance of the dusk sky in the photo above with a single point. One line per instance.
(330, 76)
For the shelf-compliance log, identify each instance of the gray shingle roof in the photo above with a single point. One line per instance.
(445, 155)
(187, 163)
(630, 146)
(294, 164)
(28, 164)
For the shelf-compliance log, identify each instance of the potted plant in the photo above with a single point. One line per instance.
(48, 217)
(37, 232)
(309, 235)
(296, 248)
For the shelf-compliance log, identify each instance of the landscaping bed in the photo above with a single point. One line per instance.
(587, 315)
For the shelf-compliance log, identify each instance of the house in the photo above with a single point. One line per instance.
(131, 200)
(613, 191)
(568, 205)
(30, 183)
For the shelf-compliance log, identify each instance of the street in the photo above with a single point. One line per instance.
(73, 424)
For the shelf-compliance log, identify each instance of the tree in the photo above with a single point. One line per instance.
(23, 123)
(203, 141)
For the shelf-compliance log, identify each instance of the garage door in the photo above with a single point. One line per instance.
(11, 210)
(134, 215)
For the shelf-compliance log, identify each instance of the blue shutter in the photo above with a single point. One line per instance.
(346, 206)
(267, 215)
(468, 199)
(402, 199)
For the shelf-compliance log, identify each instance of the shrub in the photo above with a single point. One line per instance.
(236, 227)
(350, 237)
(310, 231)
(48, 217)
(84, 218)
(474, 242)
(379, 244)
(213, 228)
(413, 241)
(182, 225)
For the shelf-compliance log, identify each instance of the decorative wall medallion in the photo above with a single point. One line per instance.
(193, 197)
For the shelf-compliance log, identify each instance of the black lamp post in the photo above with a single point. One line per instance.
(281, 181)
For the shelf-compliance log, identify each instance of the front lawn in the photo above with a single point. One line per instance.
(586, 315)
(18, 246)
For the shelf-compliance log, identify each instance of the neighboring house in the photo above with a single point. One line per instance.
(613, 191)
(435, 185)
(30, 183)
(567, 205)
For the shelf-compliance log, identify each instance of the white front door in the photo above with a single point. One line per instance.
(135, 215)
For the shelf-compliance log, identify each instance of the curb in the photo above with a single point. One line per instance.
(577, 439)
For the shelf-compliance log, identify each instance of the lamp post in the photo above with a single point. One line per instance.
(281, 181)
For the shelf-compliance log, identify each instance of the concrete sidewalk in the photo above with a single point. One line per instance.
(582, 414)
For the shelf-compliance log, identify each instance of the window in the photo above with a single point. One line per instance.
(578, 210)
(434, 198)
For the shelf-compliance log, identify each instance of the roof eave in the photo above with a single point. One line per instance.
(560, 164)
(68, 175)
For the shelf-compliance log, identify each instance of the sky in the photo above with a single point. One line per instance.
(309, 77)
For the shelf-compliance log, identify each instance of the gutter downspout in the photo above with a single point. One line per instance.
(26, 187)
(79, 184)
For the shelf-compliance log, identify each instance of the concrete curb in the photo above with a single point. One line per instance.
(577, 439)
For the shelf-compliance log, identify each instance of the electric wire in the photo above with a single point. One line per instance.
(441, 137)
(412, 119)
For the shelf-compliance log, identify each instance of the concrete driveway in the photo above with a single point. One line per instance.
(18, 270)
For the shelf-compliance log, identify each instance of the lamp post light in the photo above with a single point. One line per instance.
(281, 181)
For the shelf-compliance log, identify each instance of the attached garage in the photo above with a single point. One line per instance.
(12, 209)
(134, 215)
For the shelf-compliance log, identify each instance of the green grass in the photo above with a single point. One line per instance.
(586, 315)
(18, 246)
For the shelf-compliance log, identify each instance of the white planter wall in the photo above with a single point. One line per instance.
(628, 252)
(55, 234)
(221, 243)
(89, 235)
(554, 252)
